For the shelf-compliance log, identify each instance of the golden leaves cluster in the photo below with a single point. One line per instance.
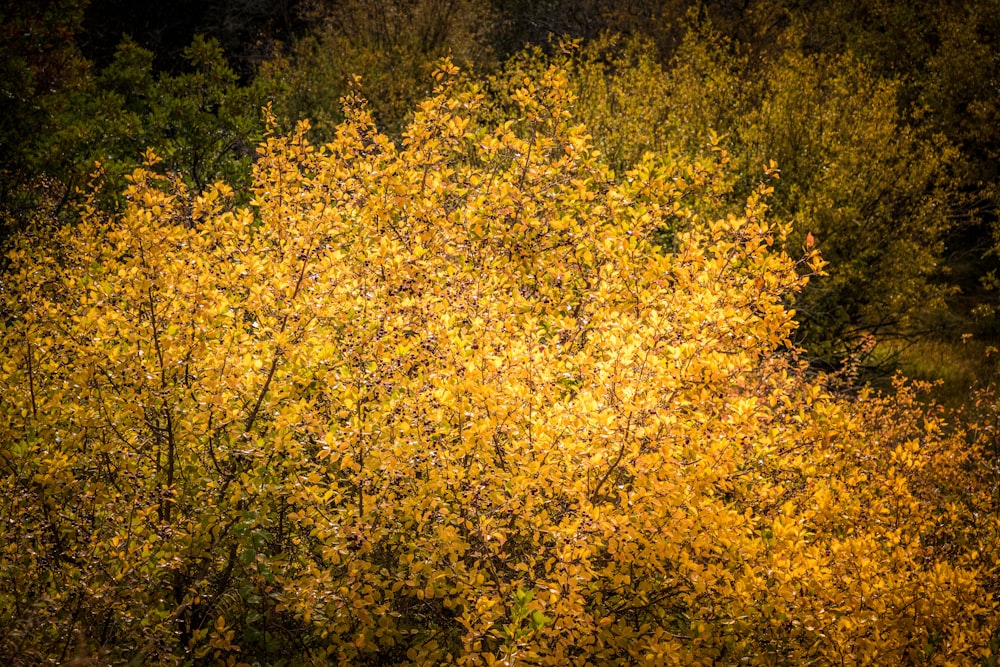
(452, 402)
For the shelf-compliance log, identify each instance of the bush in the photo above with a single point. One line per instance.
(449, 403)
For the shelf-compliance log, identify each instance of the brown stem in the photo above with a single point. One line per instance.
(31, 378)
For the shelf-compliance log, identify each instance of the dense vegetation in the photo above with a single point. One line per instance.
(553, 357)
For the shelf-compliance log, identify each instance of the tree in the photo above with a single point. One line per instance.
(876, 192)
(382, 50)
(39, 64)
(203, 122)
(449, 402)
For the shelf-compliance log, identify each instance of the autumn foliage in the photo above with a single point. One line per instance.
(471, 400)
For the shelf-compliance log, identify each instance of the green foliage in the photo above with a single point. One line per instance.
(876, 196)
(39, 65)
(384, 51)
(957, 92)
(945, 58)
(203, 122)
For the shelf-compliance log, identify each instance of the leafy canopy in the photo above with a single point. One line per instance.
(449, 402)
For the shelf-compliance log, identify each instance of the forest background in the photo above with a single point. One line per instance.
(868, 131)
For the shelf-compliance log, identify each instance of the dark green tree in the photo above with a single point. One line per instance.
(384, 50)
(40, 65)
(203, 122)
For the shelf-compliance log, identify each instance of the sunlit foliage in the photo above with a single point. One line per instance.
(874, 193)
(449, 403)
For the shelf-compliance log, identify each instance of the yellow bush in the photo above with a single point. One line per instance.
(447, 403)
